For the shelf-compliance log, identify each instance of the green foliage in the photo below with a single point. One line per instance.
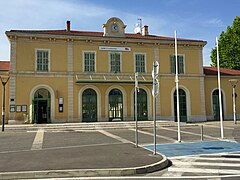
(229, 47)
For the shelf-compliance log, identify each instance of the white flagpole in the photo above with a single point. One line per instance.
(219, 91)
(136, 120)
(177, 89)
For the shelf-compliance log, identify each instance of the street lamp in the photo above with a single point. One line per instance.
(234, 84)
(4, 80)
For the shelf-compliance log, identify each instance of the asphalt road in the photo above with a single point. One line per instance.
(96, 146)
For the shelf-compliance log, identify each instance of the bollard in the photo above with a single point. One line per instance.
(201, 132)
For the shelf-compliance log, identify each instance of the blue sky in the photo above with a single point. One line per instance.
(194, 19)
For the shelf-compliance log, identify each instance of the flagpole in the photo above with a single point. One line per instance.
(219, 92)
(136, 119)
(177, 88)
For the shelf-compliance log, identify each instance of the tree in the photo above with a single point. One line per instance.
(229, 47)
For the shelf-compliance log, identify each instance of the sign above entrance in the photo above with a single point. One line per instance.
(110, 48)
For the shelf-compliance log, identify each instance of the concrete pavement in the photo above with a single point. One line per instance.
(92, 149)
(37, 152)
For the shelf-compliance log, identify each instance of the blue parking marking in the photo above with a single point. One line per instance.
(195, 148)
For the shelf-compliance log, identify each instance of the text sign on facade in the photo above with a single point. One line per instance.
(110, 48)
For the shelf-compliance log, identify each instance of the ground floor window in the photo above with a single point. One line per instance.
(142, 106)
(182, 105)
(41, 106)
(215, 105)
(115, 104)
(89, 106)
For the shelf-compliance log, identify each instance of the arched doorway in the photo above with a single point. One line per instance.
(142, 106)
(182, 105)
(89, 105)
(215, 105)
(41, 106)
(115, 104)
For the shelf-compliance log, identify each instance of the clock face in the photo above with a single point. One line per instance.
(114, 27)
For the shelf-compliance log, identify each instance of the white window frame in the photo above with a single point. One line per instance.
(83, 61)
(184, 64)
(49, 60)
(145, 61)
(109, 61)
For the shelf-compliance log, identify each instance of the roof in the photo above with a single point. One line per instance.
(223, 71)
(4, 65)
(100, 34)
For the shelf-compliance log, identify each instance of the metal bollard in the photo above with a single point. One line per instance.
(201, 132)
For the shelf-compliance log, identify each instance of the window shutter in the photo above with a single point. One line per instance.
(172, 63)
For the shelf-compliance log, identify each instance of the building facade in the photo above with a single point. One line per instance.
(78, 76)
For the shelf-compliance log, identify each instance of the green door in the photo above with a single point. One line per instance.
(182, 105)
(115, 105)
(41, 106)
(142, 112)
(89, 106)
(216, 106)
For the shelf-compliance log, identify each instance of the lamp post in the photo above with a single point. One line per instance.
(4, 80)
(234, 84)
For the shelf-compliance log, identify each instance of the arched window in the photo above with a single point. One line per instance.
(182, 105)
(142, 106)
(41, 106)
(89, 105)
(215, 105)
(115, 104)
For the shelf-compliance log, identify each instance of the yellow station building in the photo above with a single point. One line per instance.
(82, 76)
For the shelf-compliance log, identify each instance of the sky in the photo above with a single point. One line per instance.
(192, 19)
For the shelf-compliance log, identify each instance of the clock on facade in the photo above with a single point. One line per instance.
(114, 27)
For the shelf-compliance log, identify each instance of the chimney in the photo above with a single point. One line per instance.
(68, 26)
(145, 31)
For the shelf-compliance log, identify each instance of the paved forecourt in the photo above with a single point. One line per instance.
(95, 149)
(54, 153)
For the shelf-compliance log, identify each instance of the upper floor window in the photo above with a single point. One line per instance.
(180, 64)
(42, 60)
(140, 63)
(89, 61)
(115, 62)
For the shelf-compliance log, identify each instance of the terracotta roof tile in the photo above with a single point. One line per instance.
(223, 71)
(99, 34)
(4, 65)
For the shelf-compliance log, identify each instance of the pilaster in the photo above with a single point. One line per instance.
(70, 57)
(202, 96)
(70, 99)
(12, 95)
(70, 80)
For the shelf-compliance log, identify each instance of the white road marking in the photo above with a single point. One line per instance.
(38, 141)
(186, 132)
(213, 164)
(203, 170)
(64, 147)
(163, 137)
(115, 137)
(214, 126)
(189, 163)
(212, 158)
